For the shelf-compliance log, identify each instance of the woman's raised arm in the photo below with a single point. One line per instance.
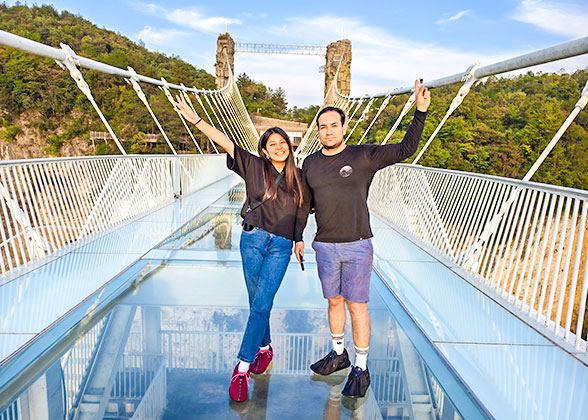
(206, 129)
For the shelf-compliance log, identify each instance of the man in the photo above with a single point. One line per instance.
(338, 177)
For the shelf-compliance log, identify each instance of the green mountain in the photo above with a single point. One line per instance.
(39, 99)
(501, 128)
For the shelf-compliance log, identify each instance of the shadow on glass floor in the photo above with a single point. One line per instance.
(167, 351)
(216, 228)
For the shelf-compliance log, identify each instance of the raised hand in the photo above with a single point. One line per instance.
(186, 110)
(422, 96)
(212, 133)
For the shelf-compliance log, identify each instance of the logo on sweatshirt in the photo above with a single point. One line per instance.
(345, 171)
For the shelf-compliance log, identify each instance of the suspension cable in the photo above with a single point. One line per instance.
(186, 97)
(382, 107)
(407, 107)
(134, 81)
(168, 95)
(470, 79)
(362, 117)
(71, 63)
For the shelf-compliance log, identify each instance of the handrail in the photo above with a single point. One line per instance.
(14, 41)
(48, 204)
(546, 55)
(18, 162)
(521, 241)
(573, 192)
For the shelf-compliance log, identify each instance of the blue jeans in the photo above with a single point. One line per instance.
(265, 259)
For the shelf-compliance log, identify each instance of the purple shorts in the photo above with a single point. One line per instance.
(345, 269)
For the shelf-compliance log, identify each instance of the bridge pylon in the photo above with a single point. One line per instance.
(338, 52)
(225, 62)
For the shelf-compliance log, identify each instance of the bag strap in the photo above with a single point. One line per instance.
(260, 200)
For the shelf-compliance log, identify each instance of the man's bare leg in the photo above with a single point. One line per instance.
(337, 315)
(360, 323)
(338, 358)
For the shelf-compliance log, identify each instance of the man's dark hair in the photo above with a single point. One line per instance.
(331, 108)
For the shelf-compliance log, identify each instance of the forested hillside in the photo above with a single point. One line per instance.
(500, 129)
(41, 99)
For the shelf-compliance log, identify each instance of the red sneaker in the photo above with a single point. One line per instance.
(262, 361)
(238, 387)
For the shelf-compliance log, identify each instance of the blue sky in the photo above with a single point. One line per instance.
(393, 42)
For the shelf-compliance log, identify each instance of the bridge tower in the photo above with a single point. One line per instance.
(338, 52)
(225, 57)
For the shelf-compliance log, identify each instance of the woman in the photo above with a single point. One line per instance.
(274, 194)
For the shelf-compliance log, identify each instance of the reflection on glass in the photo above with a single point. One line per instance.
(170, 362)
(212, 229)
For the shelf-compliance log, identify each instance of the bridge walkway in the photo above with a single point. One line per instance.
(179, 267)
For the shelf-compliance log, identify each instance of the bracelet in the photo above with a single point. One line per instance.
(198, 121)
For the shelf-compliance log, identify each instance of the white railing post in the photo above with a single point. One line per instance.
(176, 177)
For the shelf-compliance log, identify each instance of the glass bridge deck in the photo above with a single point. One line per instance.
(167, 346)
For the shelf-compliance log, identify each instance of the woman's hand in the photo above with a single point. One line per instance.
(186, 110)
(209, 131)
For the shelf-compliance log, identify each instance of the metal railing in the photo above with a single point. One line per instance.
(12, 412)
(49, 204)
(154, 401)
(141, 384)
(524, 242)
(76, 363)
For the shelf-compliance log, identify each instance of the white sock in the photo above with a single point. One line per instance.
(361, 357)
(243, 366)
(264, 347)
(338, 343)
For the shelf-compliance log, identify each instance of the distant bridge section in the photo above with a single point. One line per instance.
(337, 59)
(248, 47)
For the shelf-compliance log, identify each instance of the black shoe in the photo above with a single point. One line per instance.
(332, 362)
(358, 383)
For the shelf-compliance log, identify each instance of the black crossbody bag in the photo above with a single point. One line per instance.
(256, 203)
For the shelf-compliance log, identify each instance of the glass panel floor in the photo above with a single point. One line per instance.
(168, 349)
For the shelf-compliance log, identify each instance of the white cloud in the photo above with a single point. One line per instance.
(453, 18)
(189, 17)
(192, 18)
(380, 61)
(148, 8)
(561, 18)
(159, 37)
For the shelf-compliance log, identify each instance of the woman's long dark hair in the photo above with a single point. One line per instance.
(291, 176)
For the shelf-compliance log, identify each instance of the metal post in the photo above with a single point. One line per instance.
(176, 177)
